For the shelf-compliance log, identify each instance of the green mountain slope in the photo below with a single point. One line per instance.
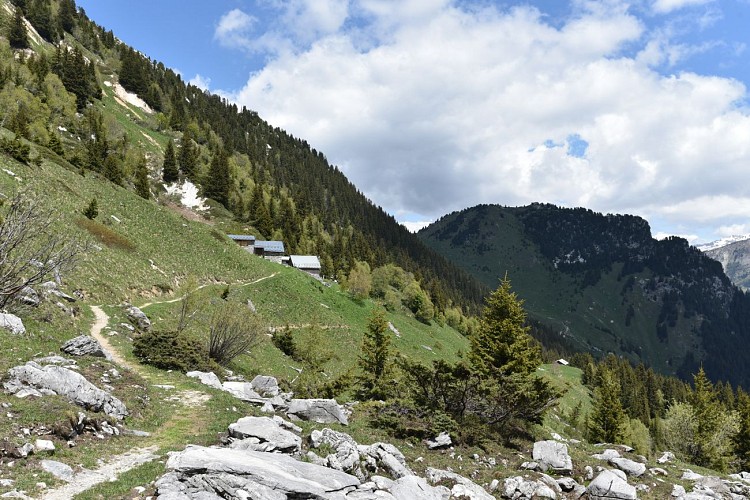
(604, 284)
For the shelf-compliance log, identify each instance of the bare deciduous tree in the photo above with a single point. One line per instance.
(30, 249)
(233, 331)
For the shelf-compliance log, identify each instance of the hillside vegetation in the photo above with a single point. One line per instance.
(605, 285)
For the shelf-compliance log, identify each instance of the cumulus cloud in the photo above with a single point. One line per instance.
(456, 104)
(234, 29)
(200, 81)
(667, 6)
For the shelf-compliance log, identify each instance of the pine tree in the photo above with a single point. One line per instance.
(742, 438)
(55, 144)
(502, 345)
(169, 171)
(259, 211)
(92, 210)
(188, 156)
(66, 15)
(17, 36)
(217, 184)
(40, 16)
(113, 169)
(607, 419)
(375, 358)
(141, 179)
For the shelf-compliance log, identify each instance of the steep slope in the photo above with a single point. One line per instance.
(734, 256)
(605, 284)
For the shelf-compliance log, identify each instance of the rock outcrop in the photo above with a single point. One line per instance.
(12, 323)
(263, 434)
(138, 318)
(552, 455)
(322, 411)
(608, 485)
(83, 345)
(52, 379)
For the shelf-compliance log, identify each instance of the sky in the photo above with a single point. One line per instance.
(432, 106)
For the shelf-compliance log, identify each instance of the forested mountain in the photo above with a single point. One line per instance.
(273, 185)
(606, 285)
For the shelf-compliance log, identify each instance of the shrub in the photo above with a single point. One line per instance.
(92, 210)
(284, 341)
(16, 149)
(170, 350)
(232, 332)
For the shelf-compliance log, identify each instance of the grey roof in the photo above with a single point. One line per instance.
(242, 237)
(305, 261)
(270, 246)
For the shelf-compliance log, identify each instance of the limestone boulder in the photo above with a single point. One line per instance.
(138, 318)
(519, 488)
(322, 411)
(83, 345)
(552, 455)
(67, 383)
(270, 436)
(12, 324)
(461, 486)
(608, 485)
(199, 472)
(208, 378)
(265, 386)
(416, 488)
(629, 467)
(442, 440)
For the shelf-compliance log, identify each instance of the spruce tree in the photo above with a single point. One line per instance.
(141, 179)
(502, 345)
(92, 210)
(607, 419)
(375, 358)
(55, 144)
(169, 171)
(40, 16)
(17, 36)
(188, 156)
(217, 184)
(66, 15)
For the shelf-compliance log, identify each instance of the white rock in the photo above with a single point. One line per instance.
(322, 411)
(552, 455)
(416, 488)
(12, 323)
(44, 445)
(608, 485)
(208, 378)
(267, 431)
(443, 440)
(629, 467)
(667, 456)
(58, 469)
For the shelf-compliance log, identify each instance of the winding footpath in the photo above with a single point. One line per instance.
(111, 469)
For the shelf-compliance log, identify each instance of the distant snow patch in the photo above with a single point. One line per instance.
(705, 247)
(188, 193)
(128, 97)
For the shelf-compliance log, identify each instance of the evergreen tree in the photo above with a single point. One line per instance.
(259, 211)
(169, 170)
(55, 144)
(375, 358)
(40, 16)
(141, 179)
(502, 345)
(92, 210)
(188, 156)
(113, 170)
(66, 15)
(217, 184)
(607, 420)
(17, 36)
(742, 438)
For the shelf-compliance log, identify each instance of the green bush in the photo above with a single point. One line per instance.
(170, 350)
(284, 341)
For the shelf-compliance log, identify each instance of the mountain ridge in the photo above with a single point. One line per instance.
(604, 283)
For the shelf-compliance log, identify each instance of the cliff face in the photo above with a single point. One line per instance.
(735, 259)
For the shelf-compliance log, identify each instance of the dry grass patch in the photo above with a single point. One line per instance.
(106, 235)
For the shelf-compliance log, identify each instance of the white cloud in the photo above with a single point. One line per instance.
(451, 106)
(667, 6)
(733, 230)
(235, 29)
(200, 81)
(692, 238)
(414, 226)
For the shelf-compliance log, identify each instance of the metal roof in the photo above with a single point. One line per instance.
(270, 246)
(242, 237)
(305, 261)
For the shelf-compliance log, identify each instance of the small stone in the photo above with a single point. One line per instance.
(44, 445)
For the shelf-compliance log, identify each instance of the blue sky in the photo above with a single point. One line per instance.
(431, 106)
